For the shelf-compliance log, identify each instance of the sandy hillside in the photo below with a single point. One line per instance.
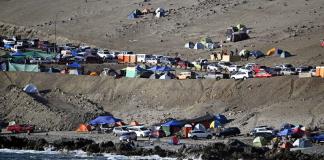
(252, 102)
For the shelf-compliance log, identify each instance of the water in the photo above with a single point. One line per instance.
(8, 154)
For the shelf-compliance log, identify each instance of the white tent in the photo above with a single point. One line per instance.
(165, 76)
(200, 127)
(302, 143)
(189, 45)
(30, 88)
(199, 46)
(73, 72)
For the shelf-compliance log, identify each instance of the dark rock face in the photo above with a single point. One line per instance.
(69, 144)
(22, 143)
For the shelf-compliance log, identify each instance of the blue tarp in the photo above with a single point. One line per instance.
(17, 54)
(257, 54)
(74, 53)
(8, 46)
(173, 123)
(285, 132)
(74, 65)
(104, 120)
(221, 119)
(161, 69)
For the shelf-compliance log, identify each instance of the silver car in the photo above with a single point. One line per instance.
(128, 136)
(120, 130)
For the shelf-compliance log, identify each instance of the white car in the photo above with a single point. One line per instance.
(313, 72)
(224, 65)
(284, 66)
(213, 67)
(241, 75)
(104, 54)
(233, 68)
(128, 136)
(152, 61)
(195, 134)
(250, 65)
(9, 41)
(245, 69)
(118, 131)
(262, 129)
(287, 71)
(140, 131)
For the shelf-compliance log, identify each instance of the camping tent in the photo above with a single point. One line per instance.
(171, 127)
(302, 143)
(24, 67)
(205, 40)
(221, 118)
(284, 54)
(165, 77)
(133, 72)
(257, 54)
(259, 142)
(190, 45)
(104, 120)
(199, 45)
(74, 65)
(274, 51)
(199, 127)
(285, 132)
(83, 128)
(30, 88)
(160, 12)
(244, 52)
(214, 124)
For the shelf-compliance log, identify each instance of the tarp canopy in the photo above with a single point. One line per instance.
(104, 120)
(132, 72)
(17, 54)
(285, 132)
(30, 88)
(259, 142)
(23, 67)
(302, 143)
(257, 54)
(74, 65)
(40, 54)
(173, 123)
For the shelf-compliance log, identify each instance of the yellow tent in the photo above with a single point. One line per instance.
(213, 125)
(271, 51)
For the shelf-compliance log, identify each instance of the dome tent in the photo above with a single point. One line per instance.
(30, 88)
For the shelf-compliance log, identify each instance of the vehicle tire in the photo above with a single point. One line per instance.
(233, 78)
(195, 137)
(218, 78)
(187, 77)
(244, 78)
(209, 137)
(141, 135)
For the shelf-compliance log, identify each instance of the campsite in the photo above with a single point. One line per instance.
(185, 79)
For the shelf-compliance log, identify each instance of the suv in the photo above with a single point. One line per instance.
(214, 75)
(120, 130)
(262, 129)
(232, 131)
(284, 66)
(241, 75)
(128, 136)
(168, 60)
(20, 128)
(195, 134)
(213, 67)
(140, 131)
(104, 54)
(288, 71)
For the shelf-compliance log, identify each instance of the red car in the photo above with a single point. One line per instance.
(263, 74)
(20, 128)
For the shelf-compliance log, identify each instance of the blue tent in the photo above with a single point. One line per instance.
(257, 54)
(74, 53)
(285, 132)
(166, 69)
(74, 65)
(278, 52)
(173, 123)
(132, 16)
(221, 119)
(155, 68)
(104, 120)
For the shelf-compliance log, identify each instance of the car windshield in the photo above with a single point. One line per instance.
(143, 129)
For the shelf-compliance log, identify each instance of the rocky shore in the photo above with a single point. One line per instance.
(231, 149)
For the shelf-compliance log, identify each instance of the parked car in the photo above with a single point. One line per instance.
(274, 71)
(313, 72)
(224, 65)
(152, 60)
(214, 75)
(120, 130)
(245, 69)
(157, 134)
(140, 131)
(267, 136)
(168, 60)
(284, 66)
(183, 64)
(213, 67)
(241, 75)
(128, 136)
(288, 71)
(189, 75)
(105, 54)
(195, 134)
(263, 74)
(318, 138)
(262, 129)
(20, 128)
(233, 68)
(232, 131)
(303, 69)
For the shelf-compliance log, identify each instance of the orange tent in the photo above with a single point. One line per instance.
(134, 123)
(93, 74)
(83, 128)
(271, 52)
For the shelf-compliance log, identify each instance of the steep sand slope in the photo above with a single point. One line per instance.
(252, 102)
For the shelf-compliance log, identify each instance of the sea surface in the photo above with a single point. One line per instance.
(8, 154)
